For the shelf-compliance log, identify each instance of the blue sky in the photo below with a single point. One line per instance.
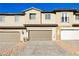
(18, 7)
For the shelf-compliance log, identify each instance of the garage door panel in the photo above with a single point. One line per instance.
(70, 34)
(9, 36)
(40, 35)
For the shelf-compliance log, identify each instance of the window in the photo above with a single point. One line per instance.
(1, 18)
(16, 18)
(47, 16)
(65, 17)
(77, 17)
(32, 16)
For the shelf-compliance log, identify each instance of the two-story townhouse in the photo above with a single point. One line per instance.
(37, 25)
(40, 25)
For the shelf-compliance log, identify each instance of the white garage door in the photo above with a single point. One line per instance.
(9, 36)
(69, 34)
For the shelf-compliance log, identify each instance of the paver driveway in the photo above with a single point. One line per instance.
(43, 48)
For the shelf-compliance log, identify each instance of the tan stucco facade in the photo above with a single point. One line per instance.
(40, 19)
(49, 21)
(36, 21)
(10, 21)
(71, 19)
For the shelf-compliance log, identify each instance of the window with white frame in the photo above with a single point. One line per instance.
(2, 18)
(16, 18)
(47, 16)
(64, 17)
(77, 17)
(32, 16)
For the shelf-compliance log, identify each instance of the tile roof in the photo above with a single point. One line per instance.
(43, 11)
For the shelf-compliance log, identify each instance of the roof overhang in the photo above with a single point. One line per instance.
(12, 14)
(40, 25)
(61, 10)
(75, 25)
(31, 9)
(75, 11)
(12, 27)
(65, 10)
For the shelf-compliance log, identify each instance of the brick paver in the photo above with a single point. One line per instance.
(40, 48)
(43, 48)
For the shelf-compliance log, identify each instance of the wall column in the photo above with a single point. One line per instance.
(58, 33)
(21, 36)
(54, 33)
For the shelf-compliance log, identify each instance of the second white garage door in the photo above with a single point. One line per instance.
(40, 35)
(70, 34)
(9, 36)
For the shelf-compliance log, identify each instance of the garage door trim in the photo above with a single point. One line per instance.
(35, 30)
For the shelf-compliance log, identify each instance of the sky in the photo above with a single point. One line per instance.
(19, 7)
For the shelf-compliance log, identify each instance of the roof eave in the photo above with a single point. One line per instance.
(30, 9)
(41, 25)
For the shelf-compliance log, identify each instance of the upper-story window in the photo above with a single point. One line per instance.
(47, 16)
(2, 18)
(77, 17)
(32, 16)
(16, 18)
(65, 17)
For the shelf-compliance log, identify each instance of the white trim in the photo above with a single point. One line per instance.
(39, 28)
(69, 27)
(31, 8)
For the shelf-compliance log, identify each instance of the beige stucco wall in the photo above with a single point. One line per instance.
(35, 21)
(23, 19)
(48, 21)
(10, 21)
(71, 19)
(76, 21)
(40, 19)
